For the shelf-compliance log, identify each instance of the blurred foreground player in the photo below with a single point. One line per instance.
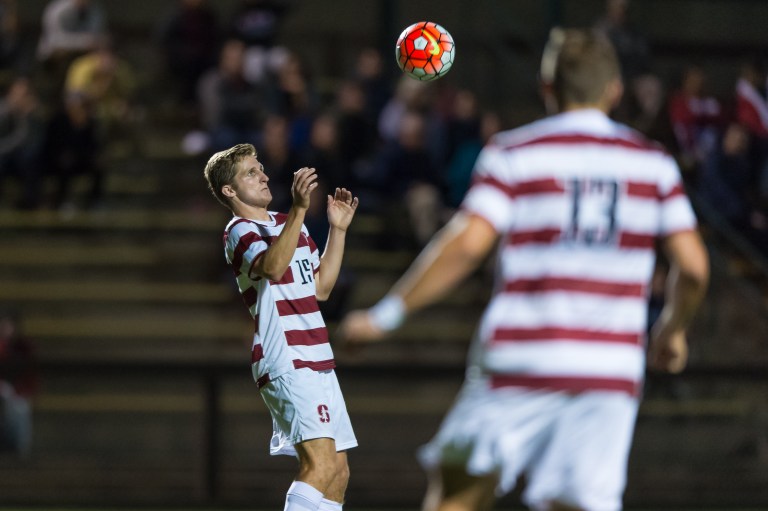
(278, 271)
(576, 203)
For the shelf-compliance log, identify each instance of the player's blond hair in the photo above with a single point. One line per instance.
(220, 169)
(578, 64)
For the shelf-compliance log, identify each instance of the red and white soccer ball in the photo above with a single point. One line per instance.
(425, 51)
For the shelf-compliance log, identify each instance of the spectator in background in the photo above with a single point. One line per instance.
(462, 122)
(632, 49)
(293, 96)
(459, 172)
(109, 84)
(421, 97)
(9, 33)
(647, 111)
(356, 131)
(22, 128)
(409, 94)
(323, 153)
(697, 119)
(257, 24)
(405, 171)
(751, 103)
(189, 37)
(72, 147)
(232, 109)
(19, 382)
(279, 158)
(724, 181)
(69, 29)
(752, 114)
(374, 83)
(631, 46)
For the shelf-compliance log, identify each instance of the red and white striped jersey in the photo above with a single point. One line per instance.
(579, 201)
(289, 329)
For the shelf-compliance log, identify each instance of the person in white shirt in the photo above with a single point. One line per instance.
(576, 203)
(281, 276)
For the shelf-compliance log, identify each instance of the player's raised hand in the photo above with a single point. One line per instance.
(668, 348)
(341, 208)
(304, 181)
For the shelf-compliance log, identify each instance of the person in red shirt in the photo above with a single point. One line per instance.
(19, 382)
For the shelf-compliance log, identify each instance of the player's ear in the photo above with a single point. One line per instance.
(228, 191)
(614, 90)
(548, 96)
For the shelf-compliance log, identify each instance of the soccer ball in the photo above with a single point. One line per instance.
(425, 51)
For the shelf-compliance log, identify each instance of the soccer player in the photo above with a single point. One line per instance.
(576, 203)
(279, 272)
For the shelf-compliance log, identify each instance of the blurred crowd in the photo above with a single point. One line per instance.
(393, 140)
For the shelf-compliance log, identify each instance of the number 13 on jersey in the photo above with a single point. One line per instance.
(593, 211)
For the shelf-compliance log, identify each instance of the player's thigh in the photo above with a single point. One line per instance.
(584, 464)
(306, 405)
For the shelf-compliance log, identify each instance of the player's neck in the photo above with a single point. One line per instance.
(251, 212)
(573, 107)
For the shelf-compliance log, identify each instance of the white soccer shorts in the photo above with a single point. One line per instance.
(304, 405)
(573, 448)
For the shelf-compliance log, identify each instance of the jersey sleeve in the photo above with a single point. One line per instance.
(244, 244)
(676, 211)
(491, 194)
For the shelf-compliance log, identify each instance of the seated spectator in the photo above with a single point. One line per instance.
(631, 45)
(462, 122)
(421, 97)
(9, 33)
(189, 39)
(647, 112)
(257, 24)
(751, 102)
(108, 83)
(356, 131)
(322, 153)
(405, 171)
(697, 119)
(70, 28)
(22, 128)
(632, 49)
(279, 159)
(232, 109)
(462, 163)
(373, 81)
(293, 96)
(409, 94)
(73, 147)
(752, 114)
(725, 178)
(19, 382)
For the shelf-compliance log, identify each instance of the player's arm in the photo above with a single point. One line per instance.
(685, 288)
(273, 262)
(457, 250)
(341, 210)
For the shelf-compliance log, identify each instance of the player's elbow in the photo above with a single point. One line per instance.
(694, 268)
(323, 295)
(270, 269)
(689, 256)
(696, 271)
(273, 275)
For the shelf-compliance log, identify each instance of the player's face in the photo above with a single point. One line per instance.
(250, 183)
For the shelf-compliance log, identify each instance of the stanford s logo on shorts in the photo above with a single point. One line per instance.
(322, 411)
